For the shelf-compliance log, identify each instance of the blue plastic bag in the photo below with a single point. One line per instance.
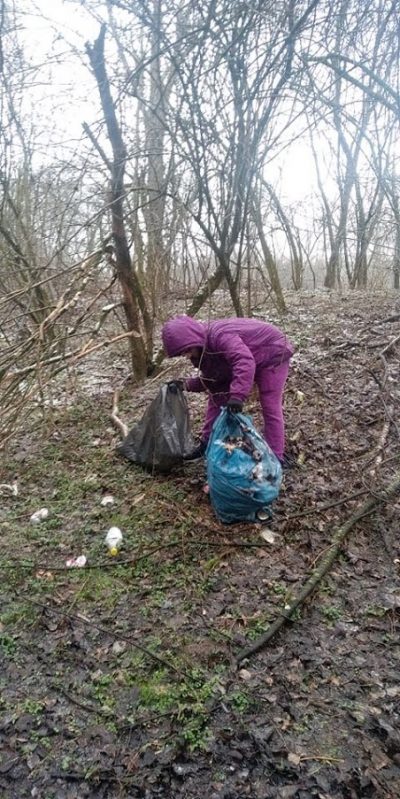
(243, 474)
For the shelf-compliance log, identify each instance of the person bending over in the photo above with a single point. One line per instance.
(232, 355)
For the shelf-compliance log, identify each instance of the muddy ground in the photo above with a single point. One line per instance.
(120, 679)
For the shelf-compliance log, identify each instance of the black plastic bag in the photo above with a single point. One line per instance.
(162, 438)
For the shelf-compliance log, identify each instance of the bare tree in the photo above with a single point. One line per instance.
(133, 299)
(231, 65)
(391, 187)
(349, 105)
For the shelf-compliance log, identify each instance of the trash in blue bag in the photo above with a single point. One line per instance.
(162, 437)
(243, 474)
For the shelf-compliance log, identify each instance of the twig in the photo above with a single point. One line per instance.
(381, 385)
(322, 569)
(380, 448)
(114, 563)
(110, 564)
(391, 416)
(322, 758)
(11, 487)
(309, 376)
(83, 264)
(88, 708)
(77, 594)
(116, 635)
(321, 508)
(388, 548)
(394, 318)
(390, 345)
(119, 424)
(97, 146)
(86, 350)
(343, 348)
(76, 354)
(161, 373)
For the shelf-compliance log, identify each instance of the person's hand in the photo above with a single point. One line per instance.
(234, 406)
(176, 385)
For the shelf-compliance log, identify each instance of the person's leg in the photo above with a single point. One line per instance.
(271, 383)
(215, 403)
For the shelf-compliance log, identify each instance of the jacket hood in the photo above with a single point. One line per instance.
(182, 333)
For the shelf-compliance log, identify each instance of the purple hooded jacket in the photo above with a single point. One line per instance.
(234, 350)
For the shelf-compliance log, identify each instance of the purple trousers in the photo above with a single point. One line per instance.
(270, 381)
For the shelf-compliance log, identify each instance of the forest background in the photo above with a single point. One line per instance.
(157, 150)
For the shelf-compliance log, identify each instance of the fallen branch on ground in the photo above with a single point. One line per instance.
(113, 563)
(323, 568)
(117, 422)
(380, 448)
(390, 345)
(322, 508)
(394, 318)
(109, 632)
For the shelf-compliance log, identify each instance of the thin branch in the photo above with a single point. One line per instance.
(322, 508)
(118, 423)
(389, 346)
(76, 354)
(117, 635)
(97, 146)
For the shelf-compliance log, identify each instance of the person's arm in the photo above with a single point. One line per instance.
(241, 361)
(194, 384)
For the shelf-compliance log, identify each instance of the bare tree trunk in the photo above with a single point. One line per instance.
(392, 194)
(204, 293)
(133, 300)
(295, 252)
(366, 224)
(333, 260)
(156, 173)
(396, 258)
(269, 261)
